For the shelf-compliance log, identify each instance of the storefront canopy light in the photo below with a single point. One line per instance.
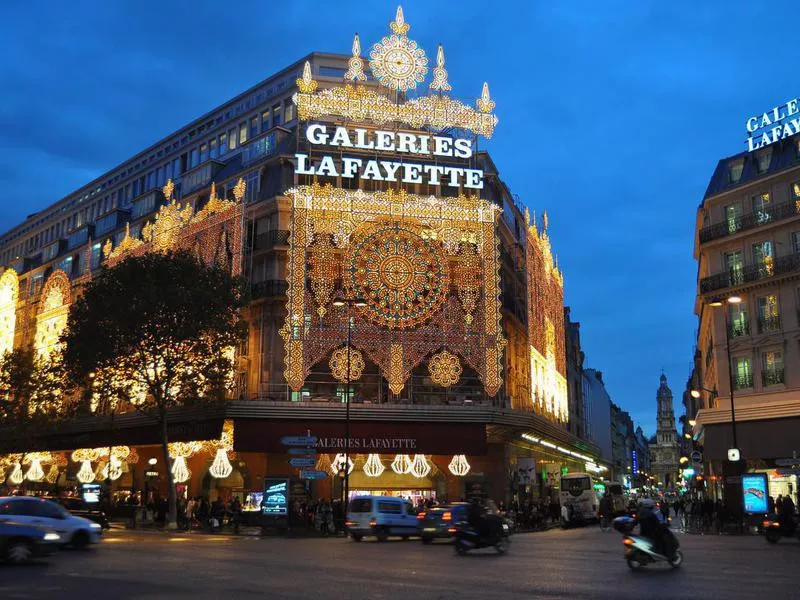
(545, 443)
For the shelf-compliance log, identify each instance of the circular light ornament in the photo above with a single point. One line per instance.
(85, 473)
(398, 63)
(180, 472)
(35, 472)
(419, 466)
(338, 364)
(401, 464)
(16, 476)
(221, 467)
(338, 464)
(459, 466)
(445, 368)
(373, 467)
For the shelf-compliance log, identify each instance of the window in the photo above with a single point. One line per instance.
(737, 320)
(36, 283)
(264, 121)
(743, 373)
(735, 168)
(772, 368)
(97, 256)
(794, 190)
(388, 507)
(288, 112)
(796, 242)
(762, 258)
(65, 265)
(732, 214)
(253, 127)
(203, 153)
(212, 148)
(194, 158)
(251, 192)
(763, 159)
(768, 316)
(276, 115)
(105, 224)
(734, 266)
(223, 143)
(761, 206)
(242, 133)
(232, 137)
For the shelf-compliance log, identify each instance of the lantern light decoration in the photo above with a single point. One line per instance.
(16, 476)
(373, 467)
(180, 472)
(324, 463)
(85, 473)
(35, 472)
(112, 469)
(420, 466)
(459, 466)
(99, 472)
(52, 474)
(401, 464)
(221, 467)
(338, 464)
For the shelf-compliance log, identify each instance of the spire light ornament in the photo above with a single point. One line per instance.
(355, 71)
(338, 464)
(306, 84)
(373, 467)
(401, 464)
(439, 83)
(459, 466)
(399, 25)
(85, 473)
(420, 466)
(221, 467)
(485, 103)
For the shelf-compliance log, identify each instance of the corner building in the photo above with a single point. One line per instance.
(361, 210)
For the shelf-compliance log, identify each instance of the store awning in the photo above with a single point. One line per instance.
(766, 439)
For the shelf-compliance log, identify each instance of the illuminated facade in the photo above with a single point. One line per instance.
(9, 292)
(356, 202)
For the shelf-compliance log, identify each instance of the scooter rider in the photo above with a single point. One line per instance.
(652, 524)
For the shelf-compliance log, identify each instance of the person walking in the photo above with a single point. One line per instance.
(606, 512)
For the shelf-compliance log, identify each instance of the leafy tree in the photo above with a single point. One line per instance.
(33, 398)
(156, 332)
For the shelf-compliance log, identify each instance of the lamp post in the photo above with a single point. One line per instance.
(349, 302)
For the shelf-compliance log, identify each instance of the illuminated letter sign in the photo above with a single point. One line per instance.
(774, 125)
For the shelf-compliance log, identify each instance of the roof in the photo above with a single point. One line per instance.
(785, 155)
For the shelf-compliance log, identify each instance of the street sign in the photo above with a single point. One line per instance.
(298, 440)
(311, 474)
(697, 458)
(304, 451)
(302, 462)
(787, 462)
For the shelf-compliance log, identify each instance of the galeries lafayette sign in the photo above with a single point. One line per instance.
(774, 125)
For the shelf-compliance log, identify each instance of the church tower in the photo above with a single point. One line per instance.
(665, 451)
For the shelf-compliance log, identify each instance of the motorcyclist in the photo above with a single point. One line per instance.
(483, 517)
(653, 525)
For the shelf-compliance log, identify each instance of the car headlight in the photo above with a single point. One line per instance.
(51, 537)
(95, 526)
(505, 526)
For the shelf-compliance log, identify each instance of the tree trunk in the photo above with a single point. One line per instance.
(172, 508)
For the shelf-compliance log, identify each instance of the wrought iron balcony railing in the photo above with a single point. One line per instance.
(743, 382)
(749, 221)
(740, 329)
(272, 288)
(772, 377)
(270, 239)
(734, 277)
(767, 324)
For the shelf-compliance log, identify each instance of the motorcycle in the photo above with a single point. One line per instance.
(640, 551)
(774, 529)
(468, 538)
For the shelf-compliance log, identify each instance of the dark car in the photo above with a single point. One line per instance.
(20, 543)
(79, 508)
(436, 522)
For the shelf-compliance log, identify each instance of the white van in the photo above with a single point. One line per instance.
(380, 516)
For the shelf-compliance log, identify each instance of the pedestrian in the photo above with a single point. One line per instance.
(770, 504)
(236, 513)
(606, 512)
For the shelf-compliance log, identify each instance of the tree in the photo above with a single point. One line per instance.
(33, 398)
(156, 332)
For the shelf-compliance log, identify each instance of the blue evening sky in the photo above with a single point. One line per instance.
(613, 115)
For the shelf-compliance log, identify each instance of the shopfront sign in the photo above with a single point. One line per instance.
(394, 144)
(756, 493)
(774, 125)
(276, 497)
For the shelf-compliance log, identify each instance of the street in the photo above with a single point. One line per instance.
(582, 563)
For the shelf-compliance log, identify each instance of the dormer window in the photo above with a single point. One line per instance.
(735, 168)
(763, 159)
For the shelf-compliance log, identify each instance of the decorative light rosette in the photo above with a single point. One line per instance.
(420, 466)
(338, 364)
(373, 467)
(445, 368)
(396, 61)
(459, 466)
(338, 464)
(401, 464)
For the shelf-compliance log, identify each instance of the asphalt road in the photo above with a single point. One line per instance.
(577, 564)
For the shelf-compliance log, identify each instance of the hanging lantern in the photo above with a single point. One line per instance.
(52, 474)
(85, 473)
(113, 470)
(16, 476)
(459, 466)
(420, 467)
(35, 472)
(221, 467)
(180, 472)
(373, 467)
(401, 464)
(338, 464)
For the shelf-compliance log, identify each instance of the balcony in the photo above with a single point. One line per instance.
(772, 376)
(770, 323)
(749, 221)
(743, 382)
(740, 329)
(270, 239)
(271, 288)
(751, 273)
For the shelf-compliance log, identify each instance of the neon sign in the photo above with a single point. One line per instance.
(774, 125)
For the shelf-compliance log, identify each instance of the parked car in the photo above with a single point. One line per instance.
(20, 543)
(79, 508)
(380, 516)
(77, 532)
(437, 522)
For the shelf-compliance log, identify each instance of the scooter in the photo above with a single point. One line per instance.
(640, 551)
(467, 538)
(774, 530)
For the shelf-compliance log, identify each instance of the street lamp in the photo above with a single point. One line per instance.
(718, 304)
(349, 302)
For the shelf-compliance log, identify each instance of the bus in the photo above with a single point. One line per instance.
(578, 499)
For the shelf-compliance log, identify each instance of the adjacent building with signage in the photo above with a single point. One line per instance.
(355, 198)
(747, 246)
